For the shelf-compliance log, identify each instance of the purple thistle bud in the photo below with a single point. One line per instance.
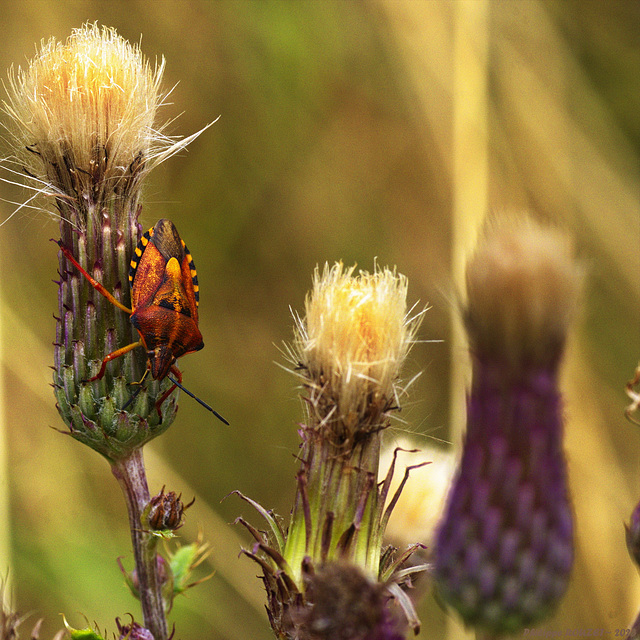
(133, 631)
(504, 547)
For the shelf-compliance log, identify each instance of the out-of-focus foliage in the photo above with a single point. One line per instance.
(336, 141)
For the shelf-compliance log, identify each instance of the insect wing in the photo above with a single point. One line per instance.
(148, 276)
(147, 271)
(167, 240)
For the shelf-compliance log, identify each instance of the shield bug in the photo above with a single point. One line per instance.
(164, 305)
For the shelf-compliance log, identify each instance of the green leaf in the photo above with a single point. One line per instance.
(85, 634)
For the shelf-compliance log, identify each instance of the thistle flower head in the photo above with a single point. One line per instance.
(84, 113)
(328, 575)
(84, 130)
(504, 548)
(522, 285)
(351, 345)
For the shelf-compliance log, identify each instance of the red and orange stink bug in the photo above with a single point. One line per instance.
(164, 301)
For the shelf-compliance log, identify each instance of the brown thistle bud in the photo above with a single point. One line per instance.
(165, 511)
(344, 604)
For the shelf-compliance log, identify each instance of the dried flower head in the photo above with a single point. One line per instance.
(522, 284)
(351, 345)
(165, 511)
(344, 604)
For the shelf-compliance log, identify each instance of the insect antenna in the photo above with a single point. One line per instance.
(204, 404)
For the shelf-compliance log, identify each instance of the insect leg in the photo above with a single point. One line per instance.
(177, 373)
(92, 281)
(112, 356)
(136, 392)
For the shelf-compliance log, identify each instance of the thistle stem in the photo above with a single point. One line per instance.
(130, 473)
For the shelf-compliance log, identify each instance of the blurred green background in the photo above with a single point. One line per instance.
(348, 130)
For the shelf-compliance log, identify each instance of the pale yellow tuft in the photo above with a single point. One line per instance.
(353, 341)
(84, 115)
(88, 104)
(523, 284)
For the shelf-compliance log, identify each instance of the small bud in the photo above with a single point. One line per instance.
(164, 576)
(133, 631)
(165, 511)
(183, 561)
(81, 634)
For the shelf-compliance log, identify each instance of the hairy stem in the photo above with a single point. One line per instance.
(131, 475)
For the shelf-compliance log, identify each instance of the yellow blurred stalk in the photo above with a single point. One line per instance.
(470, 176)
(424, 30)
(470, 189)
(5, 521)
